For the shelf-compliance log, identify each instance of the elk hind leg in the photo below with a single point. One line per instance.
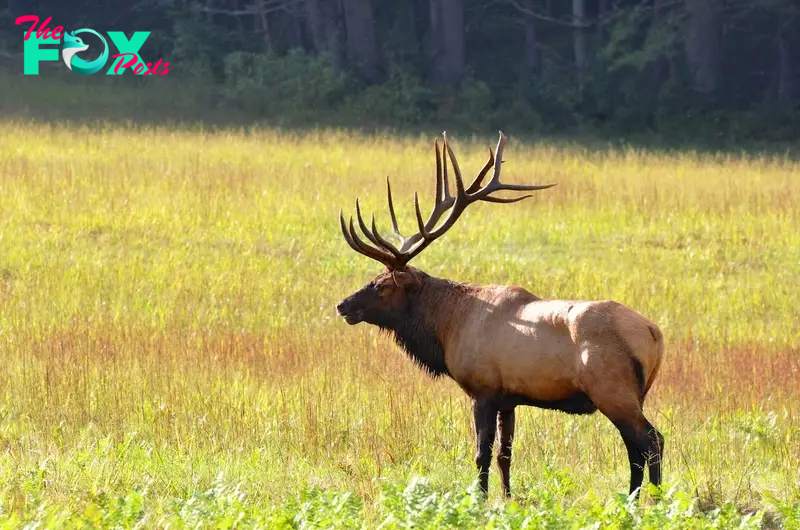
(618, 398)
(654, 453)
(505, 429)
(644, 445)
(636, 458)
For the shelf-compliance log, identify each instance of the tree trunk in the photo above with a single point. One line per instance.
(294, 20)
(333, 28)
(786, 75)
(239, 22)
(361, 46)
(578, 38)
(447, 28)
(660, 70)
(703, 44)
(316, 27)
(265, 29)
(602, 10)
(422, 20)
(532, 62)
(400, 38)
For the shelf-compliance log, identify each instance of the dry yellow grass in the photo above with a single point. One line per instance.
(166, 314)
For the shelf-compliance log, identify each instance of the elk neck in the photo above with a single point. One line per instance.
(428, 320)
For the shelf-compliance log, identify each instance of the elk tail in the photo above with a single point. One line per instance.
(658, 337)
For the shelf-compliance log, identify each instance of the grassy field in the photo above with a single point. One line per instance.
(171, 354)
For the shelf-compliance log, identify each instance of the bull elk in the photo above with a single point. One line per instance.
(503, 345)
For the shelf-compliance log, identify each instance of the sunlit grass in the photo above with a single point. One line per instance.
(166, 316)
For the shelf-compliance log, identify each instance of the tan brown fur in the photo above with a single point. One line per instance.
(506, 340)
(506, 346)
(503, 345)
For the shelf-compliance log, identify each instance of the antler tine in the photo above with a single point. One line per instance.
(456, 171)
(365, 249)
(423, 231)
(498, 160)
(359, 246)
(363, 226)
(383, 242)
(428, 231)
(374, 253)
(346, 234)
(443, 201)
(391, 211)
(476, 184)
(525, 187)
(464, 198)
(445, 180)
(395, 258)
(509, 200)
(495, 184)
(439, 183)
(373, 235)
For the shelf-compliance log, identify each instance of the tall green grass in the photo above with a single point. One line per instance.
(168, 332)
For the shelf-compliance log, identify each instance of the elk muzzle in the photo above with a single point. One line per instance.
(347, 309)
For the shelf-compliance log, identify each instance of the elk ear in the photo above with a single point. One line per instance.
(406, 279)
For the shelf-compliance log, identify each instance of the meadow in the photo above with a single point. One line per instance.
(171, 355)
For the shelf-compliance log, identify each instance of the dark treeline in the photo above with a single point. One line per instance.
(725, 66)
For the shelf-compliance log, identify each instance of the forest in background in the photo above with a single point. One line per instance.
(696, 67)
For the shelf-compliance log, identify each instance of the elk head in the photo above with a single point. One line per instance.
(383, 300)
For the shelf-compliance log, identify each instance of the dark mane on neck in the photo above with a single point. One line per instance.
(415, 334)
(421, 344)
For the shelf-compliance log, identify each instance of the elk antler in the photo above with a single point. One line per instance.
(397, 258)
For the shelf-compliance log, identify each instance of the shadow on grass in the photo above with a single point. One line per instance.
(58, 98)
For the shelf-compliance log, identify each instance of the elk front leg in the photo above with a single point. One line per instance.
(505, 430)
(485, 412)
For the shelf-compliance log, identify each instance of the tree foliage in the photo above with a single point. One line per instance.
(631, 64)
